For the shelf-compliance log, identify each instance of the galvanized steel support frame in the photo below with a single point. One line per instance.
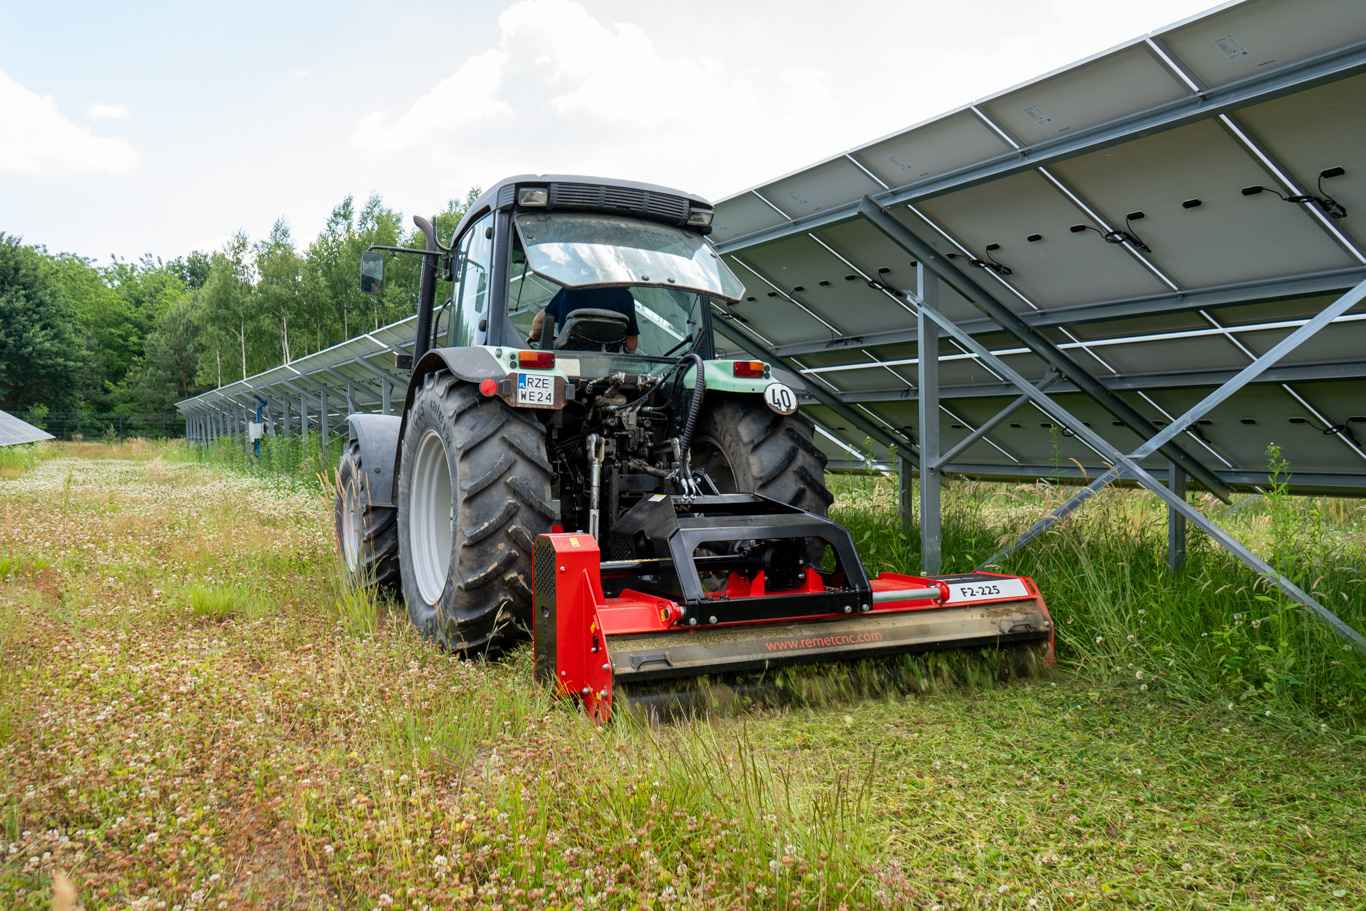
(975, 293)
(927, 422)
(1176, 522)
(1128, 464)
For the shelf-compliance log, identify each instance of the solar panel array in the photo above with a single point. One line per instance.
(14, 432)
(1111, 205)
(313, 393)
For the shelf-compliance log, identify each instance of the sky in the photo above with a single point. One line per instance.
(164, 128)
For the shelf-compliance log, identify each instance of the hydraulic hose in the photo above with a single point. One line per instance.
(695, 406)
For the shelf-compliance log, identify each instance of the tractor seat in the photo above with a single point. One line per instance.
(591, 329)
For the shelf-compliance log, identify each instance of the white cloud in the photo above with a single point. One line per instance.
(454, 102)
(103, 111)
(563, 91)
(36, 138)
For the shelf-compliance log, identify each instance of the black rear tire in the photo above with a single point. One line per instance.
(745, 447)
(367, 535)
(499, 487)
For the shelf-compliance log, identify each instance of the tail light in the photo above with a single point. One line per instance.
(536, 360)
(748, 369)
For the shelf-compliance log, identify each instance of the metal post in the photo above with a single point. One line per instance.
(350, 401)
(1032, 338)
(303, 416)
(927, 403)
(322, 419)
(905, 491)
(1176, 523)
(386, 394)
(284, 415)
(1125, 464)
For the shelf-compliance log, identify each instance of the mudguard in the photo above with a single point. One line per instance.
(377, 435)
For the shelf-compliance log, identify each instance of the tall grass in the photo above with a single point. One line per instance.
(15, 460)
(1214, 630)
(299, 459)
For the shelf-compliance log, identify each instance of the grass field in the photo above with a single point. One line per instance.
(196, 713)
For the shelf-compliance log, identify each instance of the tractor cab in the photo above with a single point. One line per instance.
(575, 264)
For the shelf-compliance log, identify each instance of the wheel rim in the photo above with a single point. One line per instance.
(432, 508)
(351, 521)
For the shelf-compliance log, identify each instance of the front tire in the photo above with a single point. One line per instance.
(367, 535)
(473, 495)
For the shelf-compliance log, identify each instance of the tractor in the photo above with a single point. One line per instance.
(573, 463)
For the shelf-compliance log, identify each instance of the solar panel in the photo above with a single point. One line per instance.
(1113, 205)
(14, 432)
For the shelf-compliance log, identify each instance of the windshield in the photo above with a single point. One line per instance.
(668, 320)
(575, 249)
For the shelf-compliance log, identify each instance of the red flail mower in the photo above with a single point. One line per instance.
(743, 583)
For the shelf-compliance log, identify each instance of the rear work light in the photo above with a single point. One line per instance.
(536, 360)
(528, 197)
(748, 369)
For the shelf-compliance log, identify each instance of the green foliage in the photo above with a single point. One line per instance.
(300, 461)
(220, 603)
(40, 352)
(109, 350)
(15, 460)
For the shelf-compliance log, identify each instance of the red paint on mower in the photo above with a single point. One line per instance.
(586, 643)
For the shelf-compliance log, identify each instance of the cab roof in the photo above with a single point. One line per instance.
(594, 194)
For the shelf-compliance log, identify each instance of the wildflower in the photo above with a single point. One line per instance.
(1138, 674)
(1099, 640)
(385, 899)
(1143, 688)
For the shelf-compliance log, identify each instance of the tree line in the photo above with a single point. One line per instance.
(109, 349)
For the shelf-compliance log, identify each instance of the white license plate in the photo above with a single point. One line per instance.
(986, 590)
(535, 390)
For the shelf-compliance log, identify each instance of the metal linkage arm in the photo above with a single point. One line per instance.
(967, 286)
(1132, 468)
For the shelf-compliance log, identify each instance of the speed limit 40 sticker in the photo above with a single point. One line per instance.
(986, 590)
(780, 398)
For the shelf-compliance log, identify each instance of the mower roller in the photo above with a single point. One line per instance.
(576, 464)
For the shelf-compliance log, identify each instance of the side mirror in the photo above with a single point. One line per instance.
(372, 272)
